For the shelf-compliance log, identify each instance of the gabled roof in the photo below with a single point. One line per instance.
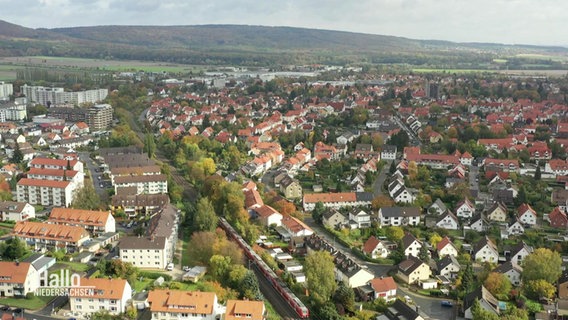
(481, 293)
(485, 241)
(507, 266)
(383, 284)
(446, 261)
(371, 244)
(103, 288)
(409, 239)
(410, 265)
(175, 301)
(239, 309)
(13, 272)
(443, 243)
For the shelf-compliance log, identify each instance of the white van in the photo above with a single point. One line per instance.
(170, 267)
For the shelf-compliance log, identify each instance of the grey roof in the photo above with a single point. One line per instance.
(401, 311)
(440, 205)
(389, 212)
(364, 196)
(155, 243)
(12, 206)
(163, 223)
(409, 265)
(481, 294)
(389, 148)
(38, 260)
(446, 261)
(505, 267)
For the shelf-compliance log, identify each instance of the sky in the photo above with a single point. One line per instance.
(538, 22)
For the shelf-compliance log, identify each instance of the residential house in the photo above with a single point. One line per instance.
(485, 251)
(401, 311)
(497, 212)
(376, 248)
(111, 295)
(268, 216)
(448, 267)
(17, 279)
(174, 304)
(334, 219)
(446, 248)
(245, 309)
(144, 184)
(512, 271)
(145, 252)
(411, 245)
(438, 207)
(513, 228)
(465, 209)
(448, 221)
(388, 152)
(348, 271)
(478, 223)
(526, 215)
(486, 300)
(359, 219)
(518, 253)
(384, 287)
(399, 216)
(413, 270)
(47, 236)
(135, 204)
(291, 188)
(558, 219)
(16, 211)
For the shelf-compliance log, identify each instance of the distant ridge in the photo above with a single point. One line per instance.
(245, 44)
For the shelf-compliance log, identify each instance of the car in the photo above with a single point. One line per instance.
(447, 303)
(186, 268)
(5, 308)
(170, 267)
(19, 310)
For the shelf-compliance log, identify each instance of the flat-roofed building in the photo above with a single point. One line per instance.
(145, 252)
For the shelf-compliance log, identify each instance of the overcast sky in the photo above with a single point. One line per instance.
(541, 22)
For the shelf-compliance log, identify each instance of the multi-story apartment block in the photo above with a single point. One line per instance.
(111, 295)
(96, 222)
(57, 96)
(175, 305)
(145, 253)
(13, 112)
(45, 192)
(98, 117)
(46, 236)
(6, 90)
(16, 211)
(144, 184)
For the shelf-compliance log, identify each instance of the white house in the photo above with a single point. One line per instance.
(376, 248)
(485, 251)
(526, 214)
(446, 248)
(268, 216)
(411, 245)
(512, 271)
(399, 216)
(360, 218)
(107, 294)
(448, 267)
(388, 152)
(465, 209)
(448, 221)
(16, 211)
(17, 279)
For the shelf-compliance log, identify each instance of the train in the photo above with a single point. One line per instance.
(282, 289)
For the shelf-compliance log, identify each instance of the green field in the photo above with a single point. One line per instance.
(542, 57)
(33, 303)
(451, 71)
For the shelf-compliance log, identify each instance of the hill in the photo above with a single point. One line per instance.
(249, 45)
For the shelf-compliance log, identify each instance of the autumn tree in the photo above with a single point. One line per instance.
(319, 268)
(435, 238)
(394, 233)
(498, 284)
(205, 217)
(536, 289)
(543, 264)
(381, 201)
(285, 207)
(412, 170)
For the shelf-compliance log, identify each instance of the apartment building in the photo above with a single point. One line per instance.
(17, 279)
(97, 117)
(55, 96)
(144, 184)
(46, 236)
(145, 252)
(111, 295)
(187, 305)
(337, 200)
(45, 192)
(95, 222)
(6, 90)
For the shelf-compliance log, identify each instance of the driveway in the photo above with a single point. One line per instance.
(428, 307)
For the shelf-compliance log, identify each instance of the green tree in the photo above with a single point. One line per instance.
(394, 233)
(424, 254)
(479, 313)
(13, 249)
(468, 279)
(86, 198)
(345, 296)
(543, 264)
(537, 173)
(205, 217)
(249, 287)
(514, 313)
(17, 156)
(149, 145)
(319, 269)
(317, 213)
(219, 267)
(498, 284)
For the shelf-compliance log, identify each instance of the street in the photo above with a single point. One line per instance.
(97, 178)
(380, 181)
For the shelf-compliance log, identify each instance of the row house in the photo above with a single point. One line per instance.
(135, 204)
(144, 184)
(73, 176)
(556, 167)
(110, 295)
(142, 170)
(323, 151)
(46, 236)
(337, 200)
(59, 164)
(506, 165)
(96, 222)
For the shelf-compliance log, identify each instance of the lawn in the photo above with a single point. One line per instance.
(73, 266)
(140, 285)
(33, 303)
(185, 259)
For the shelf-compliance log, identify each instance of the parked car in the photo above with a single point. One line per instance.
(446, 303)
(186, 268)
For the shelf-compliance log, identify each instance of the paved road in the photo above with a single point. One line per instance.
(411, 135)
(430, 308)
(380, 181)
(96, 177)
(473, 178)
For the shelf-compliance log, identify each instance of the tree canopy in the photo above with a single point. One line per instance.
(320, 276)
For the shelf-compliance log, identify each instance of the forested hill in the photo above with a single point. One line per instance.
(246, 45)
